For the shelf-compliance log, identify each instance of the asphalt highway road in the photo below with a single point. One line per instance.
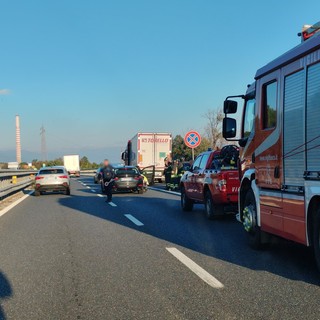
(77, 257)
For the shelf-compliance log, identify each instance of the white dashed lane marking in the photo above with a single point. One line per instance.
(199, 271)
(134, 220)
(112, 204)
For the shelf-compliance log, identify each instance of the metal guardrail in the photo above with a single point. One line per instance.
(88, 172)
(15, 180)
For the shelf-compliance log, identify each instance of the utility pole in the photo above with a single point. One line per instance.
(44, 156)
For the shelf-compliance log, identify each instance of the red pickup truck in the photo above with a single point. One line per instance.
(212, 180)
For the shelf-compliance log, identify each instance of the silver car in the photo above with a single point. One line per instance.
(52, 179)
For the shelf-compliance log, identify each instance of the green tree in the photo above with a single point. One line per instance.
(85, 163)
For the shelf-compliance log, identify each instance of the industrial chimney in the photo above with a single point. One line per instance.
(18, 141)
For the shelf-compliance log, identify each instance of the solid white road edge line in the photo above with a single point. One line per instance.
(12, 205)
(200, 272)
(112, 204)
(134, 220)
(165, 191)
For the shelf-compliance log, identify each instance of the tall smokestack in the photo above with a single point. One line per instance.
(18, 141)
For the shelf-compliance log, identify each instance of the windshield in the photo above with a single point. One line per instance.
(249, 117)
(51, 171)
(126, 172)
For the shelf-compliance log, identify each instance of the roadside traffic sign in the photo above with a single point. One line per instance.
(192, 139)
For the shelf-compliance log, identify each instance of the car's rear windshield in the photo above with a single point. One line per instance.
(125, 172)
(51, 171)
(223, 164)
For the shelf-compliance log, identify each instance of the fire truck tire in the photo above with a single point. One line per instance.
(316, 238)
(186, 203)
(254, 234)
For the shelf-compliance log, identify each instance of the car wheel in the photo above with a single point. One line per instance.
(186, 203)
(140, 191)
(67, 192)
(37, 193)
(249, 219)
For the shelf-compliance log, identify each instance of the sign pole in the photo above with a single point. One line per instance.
(192, 154)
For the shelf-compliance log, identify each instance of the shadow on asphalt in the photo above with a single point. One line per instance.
(222, 238)
(5, 292)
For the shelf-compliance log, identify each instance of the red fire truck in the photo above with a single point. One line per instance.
(280, 147)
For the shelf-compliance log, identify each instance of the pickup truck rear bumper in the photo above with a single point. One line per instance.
(225, 198)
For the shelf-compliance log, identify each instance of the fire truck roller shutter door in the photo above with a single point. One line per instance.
(293, 131)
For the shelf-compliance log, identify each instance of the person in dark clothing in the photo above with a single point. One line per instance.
(107, 178)
(167, 174)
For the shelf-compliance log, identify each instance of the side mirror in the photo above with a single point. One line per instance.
(124, 156)
(230, 106)
(229, 128)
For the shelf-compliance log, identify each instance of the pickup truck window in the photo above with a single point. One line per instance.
(196, 165)
(204, 161)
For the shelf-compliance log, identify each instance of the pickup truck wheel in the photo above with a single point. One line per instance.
(212, 210)
(37, 193)
(249, 219)
(186, 203)
(209, 206)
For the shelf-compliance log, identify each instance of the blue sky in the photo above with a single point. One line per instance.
(96, 72)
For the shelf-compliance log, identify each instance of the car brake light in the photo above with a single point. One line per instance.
(63, 177)
(116, 179)
(39, 178)
(137, 178)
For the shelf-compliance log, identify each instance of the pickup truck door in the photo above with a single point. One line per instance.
(191, 188)
(199, 177)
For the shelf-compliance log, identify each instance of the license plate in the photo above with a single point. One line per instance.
(126, 179)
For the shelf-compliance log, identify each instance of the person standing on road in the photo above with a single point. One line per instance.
(107, 176)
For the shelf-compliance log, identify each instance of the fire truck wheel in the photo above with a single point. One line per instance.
(250, 221)
(186, 203)
(316, 238)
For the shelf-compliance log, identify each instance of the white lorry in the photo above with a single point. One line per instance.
(72, 164)
(149, 149)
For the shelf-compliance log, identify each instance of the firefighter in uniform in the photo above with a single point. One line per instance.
(167, 174)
